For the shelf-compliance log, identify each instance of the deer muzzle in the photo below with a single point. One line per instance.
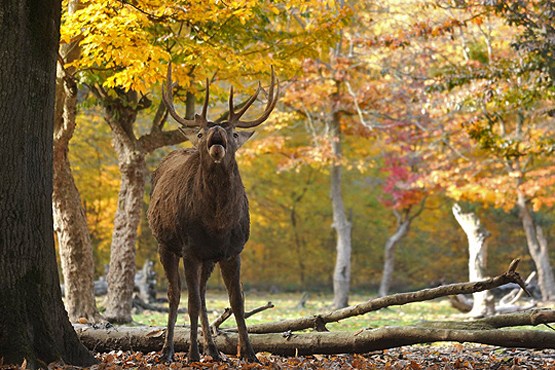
(217, 143)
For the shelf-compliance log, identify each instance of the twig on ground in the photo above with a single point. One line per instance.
(227, 313)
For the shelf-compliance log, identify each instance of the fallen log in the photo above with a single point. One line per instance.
(279, 338)
(287, 344)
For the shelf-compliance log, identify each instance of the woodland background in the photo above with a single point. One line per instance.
(406, 106)
(393, 117)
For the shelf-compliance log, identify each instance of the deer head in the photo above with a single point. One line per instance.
(220, 140)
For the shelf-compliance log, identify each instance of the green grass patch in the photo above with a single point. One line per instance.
(286, 307)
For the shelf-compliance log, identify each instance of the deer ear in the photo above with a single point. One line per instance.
(191, 133)
(241, 137)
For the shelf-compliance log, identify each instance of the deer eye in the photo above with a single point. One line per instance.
(199, 135)
(235, 135)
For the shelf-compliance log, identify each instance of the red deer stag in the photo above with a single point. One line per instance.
(199, 212)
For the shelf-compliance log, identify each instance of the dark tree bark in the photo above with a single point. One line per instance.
(33, 323)
(70, 221)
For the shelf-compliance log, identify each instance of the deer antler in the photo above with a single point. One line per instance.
(234, 117)
(167, 97)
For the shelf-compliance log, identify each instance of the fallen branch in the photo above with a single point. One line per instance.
(227, 313)
(513, 296)
(140, 304)
(319, 321)
(151, 339)
(533, 317)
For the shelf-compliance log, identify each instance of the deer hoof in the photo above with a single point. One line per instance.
(193, 357)
(250, 357)
(167, 354)
(214, 353)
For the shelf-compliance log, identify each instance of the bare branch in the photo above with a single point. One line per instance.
(308, 322)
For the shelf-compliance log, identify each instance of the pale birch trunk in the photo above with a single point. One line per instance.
(342, 271)
(70, 221)
(403, 226)
(537, 246)
(477, 258)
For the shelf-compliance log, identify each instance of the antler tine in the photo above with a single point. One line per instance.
(272, 100)
(248, 103)
(206, 98)
(231, 113)
(167, 97)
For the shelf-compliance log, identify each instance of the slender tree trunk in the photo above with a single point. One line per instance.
(132, 167)
(299, 245)
(537, 246)
(403, 226)
(33, 323)
(70, 221)
(121, 113)
(477, 258)
(342, 271)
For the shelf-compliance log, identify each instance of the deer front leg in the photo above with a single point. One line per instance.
(192, 276)
(231, 271)
(170, 262)
(210, 348)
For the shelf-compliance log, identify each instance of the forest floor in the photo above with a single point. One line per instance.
(457, 356)
(433, 356)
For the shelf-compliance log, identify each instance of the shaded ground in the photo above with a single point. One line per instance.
(414, 357)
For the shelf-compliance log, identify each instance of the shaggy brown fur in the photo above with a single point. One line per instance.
(199, 212)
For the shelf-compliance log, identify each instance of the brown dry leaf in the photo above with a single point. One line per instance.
(415, 365)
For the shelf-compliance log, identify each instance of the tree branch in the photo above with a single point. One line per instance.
(227, 313)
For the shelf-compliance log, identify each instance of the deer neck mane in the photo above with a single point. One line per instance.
(219, 194)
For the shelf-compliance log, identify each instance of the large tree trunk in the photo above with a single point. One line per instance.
(132, 166)
(70, 221)
(33, 323)
(342, 271)
(477, 258)
(537, 245)
(403, 226)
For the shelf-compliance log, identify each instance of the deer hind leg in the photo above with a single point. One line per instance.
(170, 262)
(210, 348)
(231, 275)
(192, 275)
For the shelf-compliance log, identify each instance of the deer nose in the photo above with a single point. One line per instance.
(217, 143)
(217, 136)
